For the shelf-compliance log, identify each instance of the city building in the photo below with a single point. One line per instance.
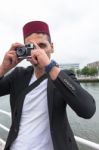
(73, 66)
(93, 64)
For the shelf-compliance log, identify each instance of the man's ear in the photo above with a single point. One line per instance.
(52, 48)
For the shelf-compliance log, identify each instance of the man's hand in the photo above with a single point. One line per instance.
(10, 59)
(39, 57)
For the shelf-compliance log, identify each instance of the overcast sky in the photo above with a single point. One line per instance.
(74, 26)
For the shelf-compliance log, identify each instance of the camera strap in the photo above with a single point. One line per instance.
(21, 97)
(34, 84)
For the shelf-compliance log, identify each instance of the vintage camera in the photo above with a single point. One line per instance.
(24, 51)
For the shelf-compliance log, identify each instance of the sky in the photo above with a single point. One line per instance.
(74, 27)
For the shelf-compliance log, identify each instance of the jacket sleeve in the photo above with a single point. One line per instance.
(74, 95)
(6, 82)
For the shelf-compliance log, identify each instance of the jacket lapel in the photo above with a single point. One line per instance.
(28, 75)
(50, 98)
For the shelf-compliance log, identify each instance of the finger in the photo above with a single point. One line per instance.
(13, 53)
(32, 61)
(34, 52)
(11, 59)
(36, 46)
(15, 56)
(15, 45)
(33, 58)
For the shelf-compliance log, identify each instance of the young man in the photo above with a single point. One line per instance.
(39, 118)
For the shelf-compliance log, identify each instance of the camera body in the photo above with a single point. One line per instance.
(24, 51)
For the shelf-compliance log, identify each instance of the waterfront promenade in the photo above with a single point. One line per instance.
(88, 78)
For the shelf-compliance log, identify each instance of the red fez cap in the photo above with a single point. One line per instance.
(35, 27)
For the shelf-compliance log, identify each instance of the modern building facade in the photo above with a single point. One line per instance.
(93, 64)
(73, 66)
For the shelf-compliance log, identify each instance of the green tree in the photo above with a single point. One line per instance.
(78, 72)
(93, 71)
(89, 71)
(85, 71)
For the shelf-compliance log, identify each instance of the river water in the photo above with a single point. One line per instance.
(84, 128)
(87, 128)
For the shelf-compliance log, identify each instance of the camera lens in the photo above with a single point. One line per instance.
(21, 51)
